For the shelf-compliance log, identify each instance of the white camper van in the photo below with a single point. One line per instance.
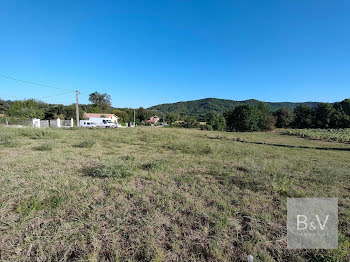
(102, 122)
(86, 123)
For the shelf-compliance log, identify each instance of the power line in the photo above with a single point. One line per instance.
(33, 83)
(39, 97)
(56, 95)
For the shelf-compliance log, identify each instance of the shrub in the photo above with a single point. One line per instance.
(207, 127)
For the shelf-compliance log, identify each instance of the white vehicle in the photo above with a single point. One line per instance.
(102, 122)
(86, 123)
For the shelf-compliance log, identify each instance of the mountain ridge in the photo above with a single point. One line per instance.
(198, 108)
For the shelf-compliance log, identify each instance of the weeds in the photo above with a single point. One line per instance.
(155, 165)
(7, 140)
(32, 204)
(86, 144)
(338, 135)
(43, 147)
(39, 133)
(163, 195)
(102, 170)
(189, 147)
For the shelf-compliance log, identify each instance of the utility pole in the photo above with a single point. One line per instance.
(134, 117)
(77, 108)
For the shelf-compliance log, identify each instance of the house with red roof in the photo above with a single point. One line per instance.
(112, 117)
(153, 120)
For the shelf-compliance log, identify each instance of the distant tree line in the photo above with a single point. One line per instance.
(243, 117)
(100, 103)
(248, 117)
(326, 115)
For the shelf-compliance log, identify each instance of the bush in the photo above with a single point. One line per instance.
(207, 127)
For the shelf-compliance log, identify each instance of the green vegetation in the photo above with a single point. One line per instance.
(326, 115)
(249, 115)
(284, 118)
(249, 118)
(163, 194)
(339, 135)
(43, 147)
(199, 108)
(86, 143)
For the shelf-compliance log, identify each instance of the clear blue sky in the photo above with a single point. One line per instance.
(148, 52)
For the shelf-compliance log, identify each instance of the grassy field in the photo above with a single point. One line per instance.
(338, 135)
(157, 194)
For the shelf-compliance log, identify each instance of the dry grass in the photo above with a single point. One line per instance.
(151, 194)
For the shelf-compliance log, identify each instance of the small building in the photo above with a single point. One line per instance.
(153, 120)
(112, 117)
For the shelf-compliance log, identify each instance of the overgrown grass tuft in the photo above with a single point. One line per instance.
(159, 164)
(34, 133)
(44, 147)
(33, 204)
(86, 144)
(8, 140)
(128, 158)
(189, 147)
(103, 170)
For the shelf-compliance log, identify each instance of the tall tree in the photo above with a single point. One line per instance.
(264, 115)
(338, 118)
(141, 114)
(100, 101)
(345, 104)
(26, 109)
(242, 118)
(123, 115)
(4, 105)
(323, 115)
(214, 121)
(172, 117)
(303, 117)
(284, 117)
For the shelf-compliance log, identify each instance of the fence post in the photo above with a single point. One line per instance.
(71, 122)
(7, 122)
(58, 123)
(36, 122)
